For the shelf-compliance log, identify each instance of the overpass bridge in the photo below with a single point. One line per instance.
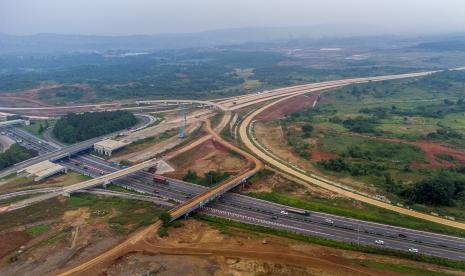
(179, 102)
(66, 191)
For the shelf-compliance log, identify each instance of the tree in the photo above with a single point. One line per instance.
(165, 217)
(307, 129)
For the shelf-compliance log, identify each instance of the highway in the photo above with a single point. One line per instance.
(54, 153)
(325, 225)
(249, 210)
(229, 103)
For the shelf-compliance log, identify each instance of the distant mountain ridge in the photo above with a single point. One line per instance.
(62, 43)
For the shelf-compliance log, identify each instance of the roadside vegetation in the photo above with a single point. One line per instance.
(209, 179)
(289, 193)
(15, 154)
(228, 226)
(74, 128)
(38, 127)
(402, 140)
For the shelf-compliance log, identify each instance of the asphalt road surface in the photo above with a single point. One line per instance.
(50, 151)
(249, 210)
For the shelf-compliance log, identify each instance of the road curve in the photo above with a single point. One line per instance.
(243, 133)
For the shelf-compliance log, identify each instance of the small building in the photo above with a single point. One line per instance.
(15, 122)
(44, 169)
(108, 146)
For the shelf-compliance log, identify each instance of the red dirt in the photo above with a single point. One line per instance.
(431, 150)
(288, 107)
(321, 155)
(11, 241)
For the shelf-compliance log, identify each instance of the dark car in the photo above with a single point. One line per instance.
(402, 235)
(274, 217)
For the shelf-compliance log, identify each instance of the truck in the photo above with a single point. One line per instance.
(298, 212)
(159, 179)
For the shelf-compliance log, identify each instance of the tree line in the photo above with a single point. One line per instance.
(15, 154)
(73, 127)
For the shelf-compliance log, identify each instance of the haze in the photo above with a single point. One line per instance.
(119, 17)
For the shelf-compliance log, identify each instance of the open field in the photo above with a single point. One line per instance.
(209, 156)
(216, 248)
(378, 139)
(65, 231)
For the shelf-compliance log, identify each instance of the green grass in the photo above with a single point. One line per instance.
(15, 199)
(390, 153)
(34, 127)
(344, 207)
(37, 230)
(130, 214)
(122, 189)
(225, 227)
(215, 120)
(45, 210)
(58, 236)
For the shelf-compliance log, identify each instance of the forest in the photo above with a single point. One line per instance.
(74, 127)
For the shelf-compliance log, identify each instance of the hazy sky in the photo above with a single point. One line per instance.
(117, 17)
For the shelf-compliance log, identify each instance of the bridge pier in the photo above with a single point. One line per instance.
(106, 183)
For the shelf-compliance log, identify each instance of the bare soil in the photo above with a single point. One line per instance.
(209, 156)
(72, 238)
(198, 249)
(288, 107)
(11, 241)
(431, 151)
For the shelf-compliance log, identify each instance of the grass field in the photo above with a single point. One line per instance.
(37, 127)
(125, 215)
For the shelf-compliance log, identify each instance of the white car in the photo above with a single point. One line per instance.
(329, 221)
(380, 242)
(284, 212)
(413, 250)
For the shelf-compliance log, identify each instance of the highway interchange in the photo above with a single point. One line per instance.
(245, 209)
(254, 211)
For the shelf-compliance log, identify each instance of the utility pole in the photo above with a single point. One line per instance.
(182, 128)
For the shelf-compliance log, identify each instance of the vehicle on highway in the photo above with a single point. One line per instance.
(380, 242)
(413, 250)
(274, 217)
(159, 179)
(329, 221)
(402, 235)
(298, 212)
(156, 191)
(284, 212)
